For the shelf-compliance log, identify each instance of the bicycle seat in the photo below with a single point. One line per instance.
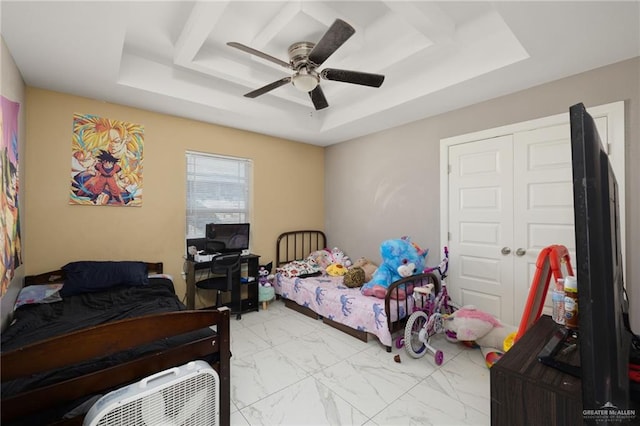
(427, 289)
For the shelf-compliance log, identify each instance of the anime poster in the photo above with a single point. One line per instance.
(106, 162)
(9, 217)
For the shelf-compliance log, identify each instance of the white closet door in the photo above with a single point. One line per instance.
(511, 188)
(481, 225)
(543, 203)
(511, 196)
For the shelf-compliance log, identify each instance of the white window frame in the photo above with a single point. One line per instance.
(224, 173)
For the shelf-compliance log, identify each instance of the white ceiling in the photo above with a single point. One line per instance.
(172, 57)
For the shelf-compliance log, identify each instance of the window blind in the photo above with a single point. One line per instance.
(218, 191)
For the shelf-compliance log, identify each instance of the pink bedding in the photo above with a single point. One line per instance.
(328, 297)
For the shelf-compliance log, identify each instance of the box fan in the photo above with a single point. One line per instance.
(181, 396)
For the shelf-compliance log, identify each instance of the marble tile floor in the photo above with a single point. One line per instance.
(288, 369)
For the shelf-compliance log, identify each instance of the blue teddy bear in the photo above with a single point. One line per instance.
(400, 258)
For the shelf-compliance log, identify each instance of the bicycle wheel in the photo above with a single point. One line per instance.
(414, 345)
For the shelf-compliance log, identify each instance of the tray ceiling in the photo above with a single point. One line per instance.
(172, 57)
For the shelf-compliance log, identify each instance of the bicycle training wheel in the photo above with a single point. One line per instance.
(414, 345)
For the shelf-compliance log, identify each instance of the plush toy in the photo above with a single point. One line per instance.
(339, 257)
(331, 262)
(367, 266)
(322, 258)
(264, 275)
(336, 270)
(354, 277)
(266, 292)
(400, 258)
(469, 324)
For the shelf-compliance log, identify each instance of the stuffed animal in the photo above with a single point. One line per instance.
(327, 259)
(338, 256)
(354, 277)
(266, 292)
(322, 258)
(336, 270)
(469, 324)
(367, 266)
(264, 275)
(400, 258)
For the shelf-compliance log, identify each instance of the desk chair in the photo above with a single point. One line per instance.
(224, 273)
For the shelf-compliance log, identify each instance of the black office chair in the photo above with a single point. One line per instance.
(224, 274)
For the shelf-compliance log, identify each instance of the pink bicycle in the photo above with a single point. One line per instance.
(428, 315)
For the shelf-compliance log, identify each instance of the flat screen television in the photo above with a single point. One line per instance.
(227, 237)
(602, 305)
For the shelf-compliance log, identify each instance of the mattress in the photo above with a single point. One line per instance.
(329, 298)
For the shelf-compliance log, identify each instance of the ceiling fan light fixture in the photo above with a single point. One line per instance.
(305, 81)
(304, 59)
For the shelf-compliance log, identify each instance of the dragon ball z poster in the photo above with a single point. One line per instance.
(9, 217)
(106, 162)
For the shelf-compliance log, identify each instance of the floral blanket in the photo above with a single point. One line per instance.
(328, 297)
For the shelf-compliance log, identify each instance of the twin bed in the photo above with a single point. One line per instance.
(347, 309)
(59, 355)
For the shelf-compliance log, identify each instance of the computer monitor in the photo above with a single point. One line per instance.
(227, 237)
(195, 245)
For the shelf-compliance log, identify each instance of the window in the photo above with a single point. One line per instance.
(218, 191)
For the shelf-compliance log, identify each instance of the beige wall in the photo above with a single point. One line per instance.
(59, 233)
(12, 87)
(389, 182)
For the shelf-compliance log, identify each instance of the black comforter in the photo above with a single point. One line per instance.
(33, 323)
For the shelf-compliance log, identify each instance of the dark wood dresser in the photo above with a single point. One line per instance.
(526, 392)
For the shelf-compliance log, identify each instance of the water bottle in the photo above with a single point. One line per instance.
(571, 302)
(557, 299)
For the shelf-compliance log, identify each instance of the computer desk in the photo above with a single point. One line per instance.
(250, 282)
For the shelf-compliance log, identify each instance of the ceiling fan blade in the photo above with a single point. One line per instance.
(336, 35)
(259, 53)
(355, 77)
(269, 87)
(318, 99)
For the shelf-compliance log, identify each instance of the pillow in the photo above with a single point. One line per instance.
(92, 276)
(299, 268)
(44, 293)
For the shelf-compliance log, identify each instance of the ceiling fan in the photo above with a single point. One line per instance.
(304, 59)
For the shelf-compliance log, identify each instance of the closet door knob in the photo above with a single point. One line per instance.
(521, 252)
(505, 250)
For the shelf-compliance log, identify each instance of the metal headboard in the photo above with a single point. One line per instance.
(297, 245)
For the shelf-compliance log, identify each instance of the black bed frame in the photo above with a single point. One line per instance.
(297, 245)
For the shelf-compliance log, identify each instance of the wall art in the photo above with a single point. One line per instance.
(106, 162)
(11, 251)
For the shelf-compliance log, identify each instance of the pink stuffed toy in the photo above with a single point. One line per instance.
(469, 324)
